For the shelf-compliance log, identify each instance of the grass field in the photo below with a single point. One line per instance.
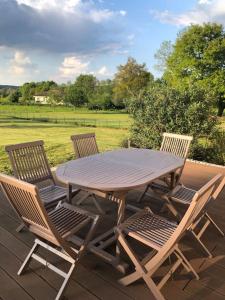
(66, 115)
(55, 125)
(14, 128)
(56, 137)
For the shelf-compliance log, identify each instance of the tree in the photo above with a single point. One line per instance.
(130, 81)
(198, 57)
(166, 109)
(102, 97)
(45, 86)
(87, 84)
(162, 55)
(79, 93)
(56, 95)
(27, 91)
(75, 95)
(14, 96)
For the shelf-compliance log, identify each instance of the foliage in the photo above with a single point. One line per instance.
(56, 95)
(213, 150)
(29, 89)
(79, 93)
(130, 81)
(6, 90)
(198, 57)
(102, 96)
(75, 95)
(163, 108)
(14, 96)
(162, 55)
(87, 83)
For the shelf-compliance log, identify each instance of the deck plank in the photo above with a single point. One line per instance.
(10, 290)
(95, 279)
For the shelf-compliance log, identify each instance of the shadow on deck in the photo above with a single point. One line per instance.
(95, 279)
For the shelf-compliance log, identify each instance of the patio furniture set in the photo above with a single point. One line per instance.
(44, 206)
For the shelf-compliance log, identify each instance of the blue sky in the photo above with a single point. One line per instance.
(59, 39)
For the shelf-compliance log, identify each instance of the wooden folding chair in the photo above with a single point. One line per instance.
(86, 145)
(184, 195)
(162, 236)
(53, 229)
(178, 145)
(30, 164)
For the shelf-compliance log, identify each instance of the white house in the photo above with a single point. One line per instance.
(41, 99)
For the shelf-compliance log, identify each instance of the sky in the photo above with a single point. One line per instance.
(60, 39)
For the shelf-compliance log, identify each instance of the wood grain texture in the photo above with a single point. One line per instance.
(123, 169)
(95, 279)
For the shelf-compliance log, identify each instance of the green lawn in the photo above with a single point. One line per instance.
(56, 137)
(62, 112)
(66, 115)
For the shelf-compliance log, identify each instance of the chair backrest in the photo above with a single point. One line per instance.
(198, 203)
(176, 144)
(25, 199)
(219, 189)
(29, 162)
(84, 144)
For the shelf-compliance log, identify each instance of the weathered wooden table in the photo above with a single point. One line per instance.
(111, 175)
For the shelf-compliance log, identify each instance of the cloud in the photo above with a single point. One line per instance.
(21, 64)
(123, 12)
(103, 71)
(60, 26)
(204, 11)
(66, 5)
(73, 66)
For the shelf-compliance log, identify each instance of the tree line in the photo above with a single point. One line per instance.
(195, 61)
(87, 90)
(188, 98)
(190, 95)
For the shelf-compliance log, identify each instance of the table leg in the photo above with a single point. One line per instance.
(120, 218)
(99, 245)
(172, 181)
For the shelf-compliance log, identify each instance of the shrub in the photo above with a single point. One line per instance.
(213, 151)
(164, 109)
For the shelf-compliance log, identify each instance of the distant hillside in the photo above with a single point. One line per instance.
(2, 86)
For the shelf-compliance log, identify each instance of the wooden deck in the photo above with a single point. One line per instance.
(95, 279)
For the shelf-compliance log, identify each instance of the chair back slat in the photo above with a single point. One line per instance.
(176, 144)
(29, 162)
(219, 189)
(25, 199)
(198, 203)
(84, 144)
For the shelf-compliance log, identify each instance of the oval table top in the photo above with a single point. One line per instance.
(123, 169)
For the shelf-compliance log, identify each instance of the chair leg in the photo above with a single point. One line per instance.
(58, 271)
(97, 205)
(95, 200)
(154, 290)
(20, 227)
(214, 224)
(127, 280)
(65, 282)
(186, 262)
(142, 194)
(141, 271)
(201, 244)
(28, 258)
(171, 208)
(82, 199)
